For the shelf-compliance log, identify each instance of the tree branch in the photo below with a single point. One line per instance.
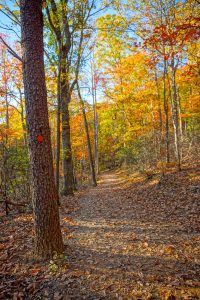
(7, 15)
(10, 50)
(55, 30)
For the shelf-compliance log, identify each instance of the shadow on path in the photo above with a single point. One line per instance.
(125, 246)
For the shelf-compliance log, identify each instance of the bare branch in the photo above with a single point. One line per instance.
(7, 15)
(56, 32)
(101, 9)
(10, 29)
(10, 50)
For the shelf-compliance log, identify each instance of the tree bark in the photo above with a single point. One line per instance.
(175, 116)
(48, 239)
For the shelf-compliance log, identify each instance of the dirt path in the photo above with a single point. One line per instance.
(126, 246)
(128, 239)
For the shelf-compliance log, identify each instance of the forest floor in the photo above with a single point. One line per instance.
(128, 238)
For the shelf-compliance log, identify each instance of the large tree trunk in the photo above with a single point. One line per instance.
(64, 37)
(48, 239)
(63, 118)
(64, 100)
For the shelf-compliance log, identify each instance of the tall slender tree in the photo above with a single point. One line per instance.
(48, 237)
(67, 20)
(91, 161)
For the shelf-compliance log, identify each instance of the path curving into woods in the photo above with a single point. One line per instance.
(127, 242)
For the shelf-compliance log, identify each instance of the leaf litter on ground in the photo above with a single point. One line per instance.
(129, 238)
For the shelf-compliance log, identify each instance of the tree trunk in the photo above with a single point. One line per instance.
(92, 169)
(175, 116)
(64, 37)
(91, 162)
(66, 144)
(23, 118)
(48, 239)
(96, 152)
(159, 105)
(5, 174)
(180, 124)
(5, 81)
(58, 135)
(166, 109)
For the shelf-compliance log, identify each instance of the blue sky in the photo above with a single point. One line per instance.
(7, 27)
(5, 22)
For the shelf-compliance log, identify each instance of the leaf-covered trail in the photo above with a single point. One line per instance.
(133, 243)
(128, 238)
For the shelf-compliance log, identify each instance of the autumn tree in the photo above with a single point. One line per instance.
(14, 183)
(166, 34)
(68, 21)
(90, 156)
(166, 37)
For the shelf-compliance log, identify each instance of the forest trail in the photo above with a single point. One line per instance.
(126, 244)
(128, 238)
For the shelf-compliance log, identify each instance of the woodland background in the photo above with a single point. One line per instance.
(99, 149)
(137, 67)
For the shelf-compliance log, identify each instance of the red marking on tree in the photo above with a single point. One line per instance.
(40, 138)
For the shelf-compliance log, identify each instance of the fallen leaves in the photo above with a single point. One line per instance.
(138, 226)
(128, 240)
(35, 271)
(170, 249)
